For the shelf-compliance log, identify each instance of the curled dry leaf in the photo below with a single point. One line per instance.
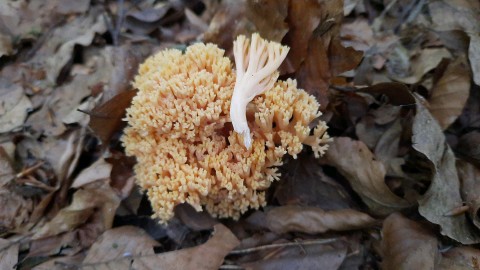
(449, 95)
(315, 220)
(443, 195)
(203, 257)
(8, 254)
(460, 15)
(407, 245)
(365, 174)
(470, 186)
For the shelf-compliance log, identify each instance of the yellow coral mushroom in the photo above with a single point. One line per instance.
(180, 130)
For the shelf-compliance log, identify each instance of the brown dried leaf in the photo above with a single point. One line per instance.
(98, 170)
(474, 56)
(407, 245)
(203, 257)
(427, 60)
(8, 254)
(460, 15)
(305, 183)
(118, 243)
(14, 210)
(365, 174)
(6, 171)
(320, 257)
(469, 147)
(460, 258)
(106, 119)
(443, 194)
(14, 106)
(94, 197)
(315, 220)
(449, 95)
(68, 7)
(470, 186)
(267, 17)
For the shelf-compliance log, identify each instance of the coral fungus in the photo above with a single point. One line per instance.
(180, 131)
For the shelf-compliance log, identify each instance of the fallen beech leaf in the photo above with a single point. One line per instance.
(460, 15)
(449, 95)
(365, 174)
(68, 7)
(6, 170)
(121, 245)
(427, 60)
(470, 186)
(398, 93)
(106, 119)
(444, 191)
(237, 17)
(15, 210)
(147, 20)
(305, 183)
(203, 257)
(98, 170)
(469, 147)
(8, 254)
(315, 220)
(407, 245)
(460, 258)
(14, 106)
(62, 262)
(6, 47)
(94, 197)
(474, 57)
(196, 221)
(320, 257)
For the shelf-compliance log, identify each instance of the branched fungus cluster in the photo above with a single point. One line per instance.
(211, 136)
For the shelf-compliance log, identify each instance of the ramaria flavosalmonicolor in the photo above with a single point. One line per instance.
(181, 132)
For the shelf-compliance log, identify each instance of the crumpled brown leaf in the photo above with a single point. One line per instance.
(450, 93)
(109, 251)
(407, 245)
(365, 174)
(98, 170)
(443, 195)
(469, 147)
(313, 220)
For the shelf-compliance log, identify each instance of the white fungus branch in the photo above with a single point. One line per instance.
(256, 68)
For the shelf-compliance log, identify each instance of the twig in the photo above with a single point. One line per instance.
(265, 247)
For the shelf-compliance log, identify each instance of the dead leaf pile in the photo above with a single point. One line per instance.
(398, 83)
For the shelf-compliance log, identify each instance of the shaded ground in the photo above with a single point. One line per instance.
(398, 83)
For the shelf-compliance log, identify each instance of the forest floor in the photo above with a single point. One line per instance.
(399, 86)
